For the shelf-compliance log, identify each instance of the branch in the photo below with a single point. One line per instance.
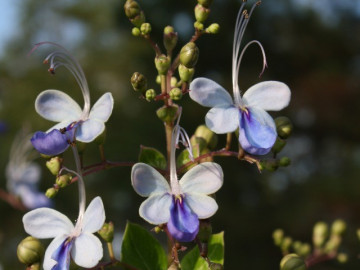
(12, 200)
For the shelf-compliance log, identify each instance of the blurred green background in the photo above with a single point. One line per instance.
(313, 46)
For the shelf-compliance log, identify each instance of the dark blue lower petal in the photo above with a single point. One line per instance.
(62, 255)
(52, 143)
(183, 224)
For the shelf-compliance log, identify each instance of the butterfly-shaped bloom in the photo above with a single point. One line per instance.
(257, 131)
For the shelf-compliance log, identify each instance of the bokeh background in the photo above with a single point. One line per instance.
(313, 46)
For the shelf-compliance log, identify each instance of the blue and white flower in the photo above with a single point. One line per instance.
(257, 131)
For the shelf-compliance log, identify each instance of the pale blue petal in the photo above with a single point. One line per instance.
(208, 93)
(269, 96)
(156, 208)
(257, 131)
(202, 205)
(31, 197)
(204, 178)
(222, 119)
(87, 250)
(146, 180)
(60, 125)
(88, 130)
(54, 245)
(57, 106)
(102, 109)
(94, 216)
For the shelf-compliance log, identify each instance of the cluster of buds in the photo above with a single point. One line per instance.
(137, 18)
(202, 11)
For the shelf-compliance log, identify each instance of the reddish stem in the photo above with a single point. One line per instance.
(12, 200)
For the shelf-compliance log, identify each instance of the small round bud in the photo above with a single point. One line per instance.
(54, 165)
(338, 227)
(158, 79)
(107, 232)
(286, 244)
(209, 136)
(284, 161)
(189, 55)
(320, 233)
(201, 13)
(185, 73)
(167, 114)
(170, 38)
(205, 230)
(205, 3)
(342, 258)
(304, 250)
(175, 94)
(51, 192)
(30, 251)
(157, 229)
(269, 164)
(145, 28)
(135, 32)
(292, 262)
(278, 236)
(162, 64)
(333, 244)
(132, 9)
(199, 26)
(213, 28)
(284, 127)
(278, 145)
(63, 180)
(150, 94)
(173, 82)
(138, 82)
(138, 20)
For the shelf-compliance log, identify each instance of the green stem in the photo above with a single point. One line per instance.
(111, 251)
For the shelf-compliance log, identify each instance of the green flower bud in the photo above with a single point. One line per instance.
(284, 127)
(338, 227)
(209, 136)
(173, 82)
(54, 165)
(358, 233)
(213, 28)
(286, 244)
(150, 94)
(320, 233)
(138, 82)
(199, 26)
(30, 251)
(292, 262)
(100, 140)
(284, 161)
(342, 258)
(278, 236)
(185, 73)
(189, 55)
(162, 64)
(205, 230)
(145, 28)
(138, 20)
(304, 250)
(157, 229)
(215, 266)
(63, 180)
(170, 38)
(269, 164)
(107, 232)
(51, 192)
(175, 94)
(158, 79)
(205, 3)
(167, 114)
(278, 145)
(135, 32)
(132, 9)
(201, 13)
(333, 244)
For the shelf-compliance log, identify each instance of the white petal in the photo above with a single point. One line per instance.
(222, 119)
(87, 250)
(269, 96)
(46, 223)
(204, 178)
(89, 130)
(146, 180)
(94, 216)
(57, 106)
(208, 93)
(156, 208)
(103, 107)
(48, 262)
(61, 125)
(202, 205)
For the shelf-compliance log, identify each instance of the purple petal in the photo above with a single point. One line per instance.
(183, 224)
(257, 131)
(62, 255)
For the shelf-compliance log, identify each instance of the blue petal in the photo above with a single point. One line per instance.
(62, 255)
(183, 224)
(257, 131)
(31, 197)
(52, 143)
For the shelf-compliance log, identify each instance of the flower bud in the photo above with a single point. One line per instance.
(167, 114)
(278, 236)
(278, 145)
(63, 180)
(213, 28)
(292, 262)
(135, 32)
(157, 229)
(358, 233)
(158, 79)
(320, 233)
(201, 13)
(333, 244)
(209, 136)
(185, 73)
(173, 82)
(145, 28)
(205, 3)
(284, 161)
(342, 258)
(286, 244)
(284, 127)
(205, 230)
(51, 192)
(175, 94)
(338, 227)
(304, 250)
(107, 232)
(199, 26)
(138, 20)
(215, 266)
(269, 164)
(189, 55)
(132, 9)
(54, 165)
(162, 64)
(138, 82)
(170, 38)
(30, 251)
(35, 266)
(150, 94)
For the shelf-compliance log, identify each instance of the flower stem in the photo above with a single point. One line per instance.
(81, 184)
(111, 251)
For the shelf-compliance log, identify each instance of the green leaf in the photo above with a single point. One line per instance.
(141, 250)
(193, 260)
(153, 157)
